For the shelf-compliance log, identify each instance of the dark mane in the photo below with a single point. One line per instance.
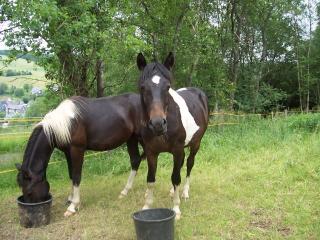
(31, 142)
(27, 154)
(154, 68)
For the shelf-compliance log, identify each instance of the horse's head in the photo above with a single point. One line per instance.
(154, 84)
(35, 188)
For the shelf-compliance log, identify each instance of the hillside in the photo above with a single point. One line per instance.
(37, 79)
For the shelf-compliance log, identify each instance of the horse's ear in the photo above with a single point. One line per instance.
(18, 166)
(168, 63)
(141, 61)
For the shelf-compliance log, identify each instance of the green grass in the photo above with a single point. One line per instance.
(37, 79)
(256, 180)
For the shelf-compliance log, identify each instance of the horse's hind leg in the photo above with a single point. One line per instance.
(190, 162)
(76, 155)
(68, 157)
(135, 160)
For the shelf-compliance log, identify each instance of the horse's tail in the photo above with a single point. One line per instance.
(204, 99)
(57, 123)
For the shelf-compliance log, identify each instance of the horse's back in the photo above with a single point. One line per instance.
(109, 121)
(197, 103)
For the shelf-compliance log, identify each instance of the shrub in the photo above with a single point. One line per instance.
(2, 114)
(19, 92)
(309, 122)
(3, 88)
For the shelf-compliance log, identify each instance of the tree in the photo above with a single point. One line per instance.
(19, 92)
(3, 88)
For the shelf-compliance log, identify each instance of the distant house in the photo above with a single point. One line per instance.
(13, 108)
(36, 91)
(2, 106)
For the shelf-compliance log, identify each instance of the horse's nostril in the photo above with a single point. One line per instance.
(164, 122)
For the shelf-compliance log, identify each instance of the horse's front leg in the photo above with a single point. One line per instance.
(178, 157)
(151, 179)
(135, 160)
(76, 155)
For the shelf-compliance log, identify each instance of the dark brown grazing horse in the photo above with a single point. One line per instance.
(174, 120)
(76, 125)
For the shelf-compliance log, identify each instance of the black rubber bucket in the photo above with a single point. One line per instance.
(154, 224)
(34, 214)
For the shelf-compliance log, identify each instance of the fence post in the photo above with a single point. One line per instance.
(272, 115)
(286, 113)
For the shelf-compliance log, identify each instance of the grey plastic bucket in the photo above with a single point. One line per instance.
(154, 224)
(34, 214)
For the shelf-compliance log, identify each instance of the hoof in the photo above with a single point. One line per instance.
(185, 195)
(171, 192)
(121, 195)
(178, 216)
(69, 213)
(145, 207)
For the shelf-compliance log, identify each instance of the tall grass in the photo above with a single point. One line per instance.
(256, 180)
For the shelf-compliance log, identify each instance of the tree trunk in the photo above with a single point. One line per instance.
(192, 69)
(235, 58)
(100, 78)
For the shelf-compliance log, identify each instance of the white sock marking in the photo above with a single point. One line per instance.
(129, 184)
(75, 199)
(188, 122)
(185, 193)
(149, 196)
(155, 79)
(176, 202)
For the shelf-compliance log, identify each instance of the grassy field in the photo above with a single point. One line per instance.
(37, 78)
(256, 180)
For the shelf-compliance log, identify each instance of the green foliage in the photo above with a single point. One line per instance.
(2, 114)
(248, 55)
(27, 87)
(305, 122)
(10, 73)
(3, 88)
(42, 105)
(19, 92)
(25, 99)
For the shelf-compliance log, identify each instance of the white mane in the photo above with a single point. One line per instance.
(57, 123)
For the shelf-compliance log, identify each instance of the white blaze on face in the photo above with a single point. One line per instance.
(188, 122)
(155, 79)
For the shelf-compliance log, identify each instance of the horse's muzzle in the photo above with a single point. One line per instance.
(158, 125)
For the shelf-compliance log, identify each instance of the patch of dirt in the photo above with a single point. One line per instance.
(262, 224)
(285, 231)
(265, 223)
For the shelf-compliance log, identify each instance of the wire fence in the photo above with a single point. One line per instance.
(9, 126)
(10, 129)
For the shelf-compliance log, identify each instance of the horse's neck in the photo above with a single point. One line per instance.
(38, 153)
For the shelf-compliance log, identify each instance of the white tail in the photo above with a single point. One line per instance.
(57, 123)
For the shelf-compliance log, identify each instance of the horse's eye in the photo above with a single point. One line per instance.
(168, 87)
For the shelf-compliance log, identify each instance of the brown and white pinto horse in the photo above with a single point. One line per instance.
(174, 120)
(76, 125)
